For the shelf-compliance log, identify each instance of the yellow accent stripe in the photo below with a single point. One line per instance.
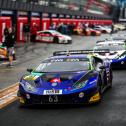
(95, 98)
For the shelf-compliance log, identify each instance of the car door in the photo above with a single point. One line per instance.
(47, 37)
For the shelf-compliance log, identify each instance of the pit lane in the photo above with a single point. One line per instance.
(111, 111)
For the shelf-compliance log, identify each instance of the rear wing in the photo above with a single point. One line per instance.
(105, 40)
(119, 38)
(100, 41)
(77, 52)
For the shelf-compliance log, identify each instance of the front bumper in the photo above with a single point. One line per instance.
(90, 96)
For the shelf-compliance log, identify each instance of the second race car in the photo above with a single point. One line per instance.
(68, 77)
(4, 54)
(117, 54)
(87, 32)
(102, 29)
(52, 36)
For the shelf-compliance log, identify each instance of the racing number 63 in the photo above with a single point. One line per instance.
(53, 99)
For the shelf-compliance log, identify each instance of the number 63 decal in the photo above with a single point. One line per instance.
(53, 99)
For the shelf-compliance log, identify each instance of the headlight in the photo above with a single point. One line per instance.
(81, 95)
(29, 87)
(26, 85)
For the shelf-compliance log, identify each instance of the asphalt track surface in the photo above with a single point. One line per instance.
(110, 112)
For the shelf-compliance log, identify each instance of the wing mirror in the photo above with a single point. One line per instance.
(102, 67)
(29, 70)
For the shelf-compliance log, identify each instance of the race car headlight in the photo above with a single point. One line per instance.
(29, 87)
(26, 85)
(81, 94)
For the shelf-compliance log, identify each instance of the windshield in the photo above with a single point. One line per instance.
(63, 66)
(111, 47)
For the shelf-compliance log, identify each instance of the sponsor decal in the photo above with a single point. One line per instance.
(54, 84)
(57, 60)
(45, 15)
(122, 57)
(67, 60)
(61, 16)
(52, 92)
(31, 77)
(7, 12)
(22, 13)
(54, 15)
(73, 60)
(35, 14)
(67, 16)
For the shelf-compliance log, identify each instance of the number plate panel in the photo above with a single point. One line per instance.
(52, 92)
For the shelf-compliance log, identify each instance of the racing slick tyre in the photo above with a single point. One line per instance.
(110, 78)
(56, 40)
(104, 31)
(69, 42)
(105, 77)
(93, 34)
(99, 86)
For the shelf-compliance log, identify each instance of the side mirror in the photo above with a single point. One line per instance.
(102, 67)
(30, 70)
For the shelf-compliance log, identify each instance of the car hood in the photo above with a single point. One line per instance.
(112, 55)
(61, 80)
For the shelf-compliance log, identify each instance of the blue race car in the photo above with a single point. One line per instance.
(68, 77)
(117, 52)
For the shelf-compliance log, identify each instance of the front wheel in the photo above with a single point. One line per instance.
(104, 31)
(99, 85)
(93, 34)
(110, 78)
(98, 96)
(56, 40)
(69, 41)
